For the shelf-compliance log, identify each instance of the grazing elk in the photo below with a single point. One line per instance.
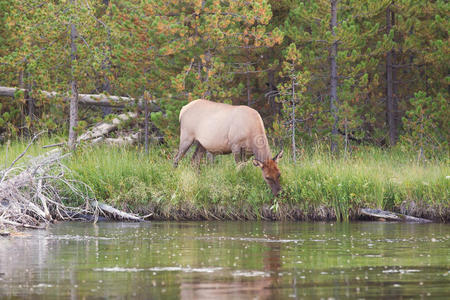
(222, 129)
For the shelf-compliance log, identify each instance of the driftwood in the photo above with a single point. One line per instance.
(391, 216)
(32, 194)
(89, 99)
(117, 213)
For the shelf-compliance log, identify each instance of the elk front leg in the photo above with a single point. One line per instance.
(237, 152)
(198, 154)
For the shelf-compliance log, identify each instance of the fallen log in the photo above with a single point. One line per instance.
(117, 213)
(392, 216)
(120, 141)
(89, 99)
(104, 128)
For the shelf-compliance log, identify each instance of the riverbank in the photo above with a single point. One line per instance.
(317, 187)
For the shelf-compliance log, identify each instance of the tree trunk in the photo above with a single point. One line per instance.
(22, 86)
(73, 121)
(390, 98)
(25, 86)
(249, 99)
(146, 98)
(294, 149)
(273, 92)
(106, 65)
(334, 78)
(208, 56)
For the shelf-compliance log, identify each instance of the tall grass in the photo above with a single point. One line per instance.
(318, 186)
(318, 183)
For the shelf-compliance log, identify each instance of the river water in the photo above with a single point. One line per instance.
(228, 260)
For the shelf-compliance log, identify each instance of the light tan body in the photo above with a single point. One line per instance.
(222, 129)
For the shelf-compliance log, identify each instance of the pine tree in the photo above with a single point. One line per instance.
(426, 124)
(58, 45)
(333, 37)
(295, 108)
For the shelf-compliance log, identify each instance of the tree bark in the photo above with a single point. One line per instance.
(73, 115)
(392, 216)
(294, 149)
(146, 114)
(106, 64)
(249, 99)
(89, 99)
(390, 98)
(104, 128)
(334, 78)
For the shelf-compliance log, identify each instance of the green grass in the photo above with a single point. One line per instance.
(318, 186)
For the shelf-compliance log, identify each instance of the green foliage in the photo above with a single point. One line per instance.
(296, 109)
(168, 121)
(128, 178)
(227, 51)
(426, 124)
(371, 178)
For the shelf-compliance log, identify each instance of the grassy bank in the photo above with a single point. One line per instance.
(317, 187)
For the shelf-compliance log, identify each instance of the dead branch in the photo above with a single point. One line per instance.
(5, 173)
(32, 194)
(54, 145)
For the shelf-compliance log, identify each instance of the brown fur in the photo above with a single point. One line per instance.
(270, 172)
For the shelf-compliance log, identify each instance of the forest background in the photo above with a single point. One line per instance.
(342, 74)
(335, 71)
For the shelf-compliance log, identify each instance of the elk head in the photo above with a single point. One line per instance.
(270, 172)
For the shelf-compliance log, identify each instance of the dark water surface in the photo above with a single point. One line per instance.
(228, 260)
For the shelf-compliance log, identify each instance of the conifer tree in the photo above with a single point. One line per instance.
(333, 35)
(58, 49)
(295, 108)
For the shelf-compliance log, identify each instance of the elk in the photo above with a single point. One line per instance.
(223, 129)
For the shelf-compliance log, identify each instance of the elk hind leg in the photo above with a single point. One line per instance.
(185, 144)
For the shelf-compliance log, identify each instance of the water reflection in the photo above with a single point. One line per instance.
(228, 260)
(244, 284)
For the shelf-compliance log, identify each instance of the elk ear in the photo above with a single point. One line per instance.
(257, 163)
(278, 156)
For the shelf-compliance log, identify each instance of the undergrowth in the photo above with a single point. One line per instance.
(318, 186)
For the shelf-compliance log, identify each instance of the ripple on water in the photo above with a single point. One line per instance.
(77, 237)
(160, 269)
(401, 271)
(241, 273)
(244, 239)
